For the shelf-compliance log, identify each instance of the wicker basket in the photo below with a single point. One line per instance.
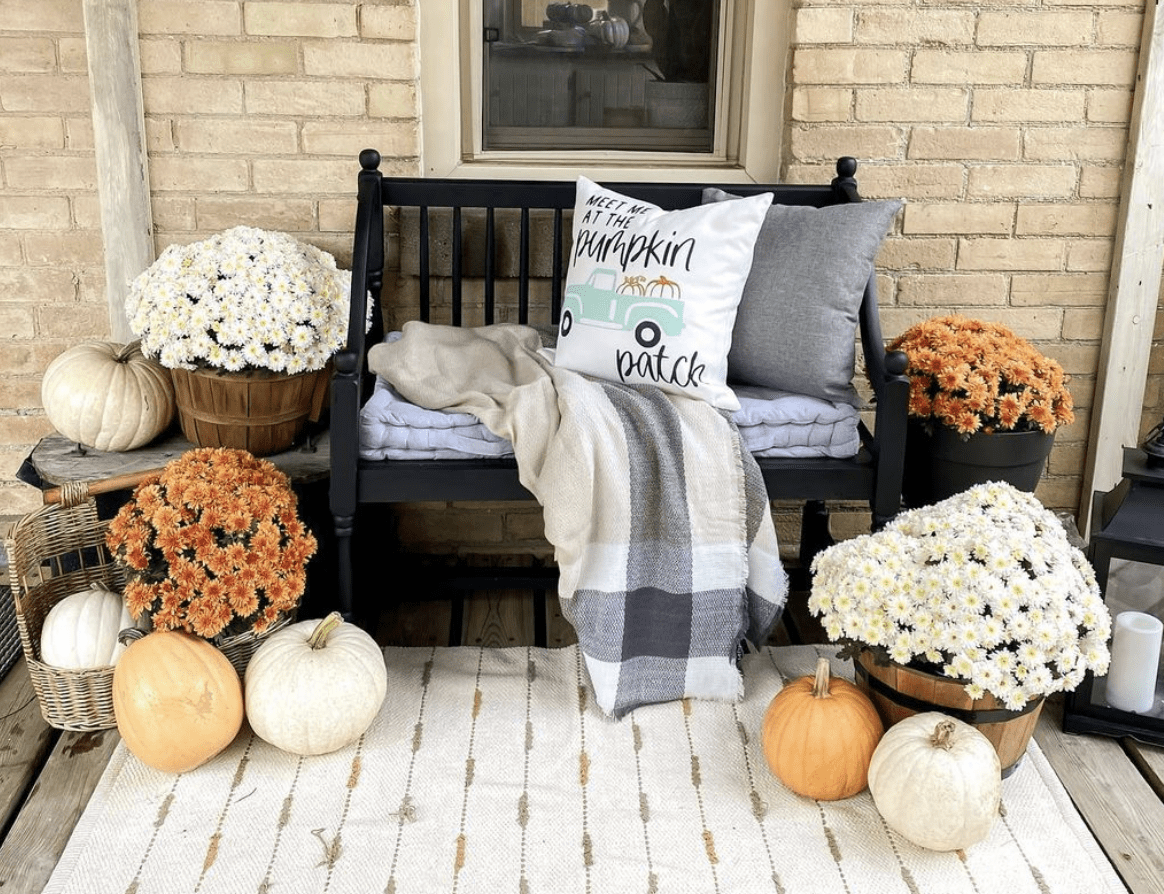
(239, 648)
(52, 552)
(9, 632)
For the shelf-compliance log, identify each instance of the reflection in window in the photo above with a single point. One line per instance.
(612, 74)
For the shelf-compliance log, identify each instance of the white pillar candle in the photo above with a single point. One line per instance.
(1135, 658)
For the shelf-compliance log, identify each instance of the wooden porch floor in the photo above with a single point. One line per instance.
(47, 776)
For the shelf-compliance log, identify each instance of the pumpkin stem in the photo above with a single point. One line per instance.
(820, 685)
(127, 351)
(129, 634)
(323, 629)
(943, 735)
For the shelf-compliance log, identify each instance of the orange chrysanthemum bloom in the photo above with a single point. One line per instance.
(170, 541)
(1010, 410)
(138, 597)
(266, 618)
(964, 420)
(978, 396)
(218, 562)
(243, 599)
(213, 544)
(236, 554)
(1042, 416)
(184, 574)
(238, 518)
(212, 518)
(201, 614)
(148, 497)
(215, 590)
(952, 379)
(959, 366)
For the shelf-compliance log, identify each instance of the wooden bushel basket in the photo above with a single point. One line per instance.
(256, 410)
(899, 692)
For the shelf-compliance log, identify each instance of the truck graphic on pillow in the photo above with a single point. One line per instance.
(648, 308)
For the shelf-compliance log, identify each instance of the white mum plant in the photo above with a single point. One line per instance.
(983, 587)
(242, 299)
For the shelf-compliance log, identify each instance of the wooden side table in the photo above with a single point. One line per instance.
(57, 462)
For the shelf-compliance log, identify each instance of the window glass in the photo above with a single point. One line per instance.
(627, 75)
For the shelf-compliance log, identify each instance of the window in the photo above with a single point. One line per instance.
(629, 75)
(531, 88)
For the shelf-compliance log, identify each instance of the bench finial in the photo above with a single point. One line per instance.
(845, 182)
(369, 159)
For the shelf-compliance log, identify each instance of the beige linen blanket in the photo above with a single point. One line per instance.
(658, 517)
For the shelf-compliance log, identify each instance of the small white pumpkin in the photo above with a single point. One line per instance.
(81, 630)
(108, 396)
(936, 781)
(612, 31)
(315, 686)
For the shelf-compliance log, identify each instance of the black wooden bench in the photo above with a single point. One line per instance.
(455, 262)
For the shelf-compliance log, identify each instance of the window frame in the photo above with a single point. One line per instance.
(749, 112)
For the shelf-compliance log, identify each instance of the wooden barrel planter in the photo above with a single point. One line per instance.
(256, 410)
(899, 692)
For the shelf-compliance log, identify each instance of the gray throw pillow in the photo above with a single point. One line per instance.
(796, 326)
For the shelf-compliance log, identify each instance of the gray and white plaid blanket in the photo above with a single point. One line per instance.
(659, 518)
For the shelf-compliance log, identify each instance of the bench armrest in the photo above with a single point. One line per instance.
(886, 373)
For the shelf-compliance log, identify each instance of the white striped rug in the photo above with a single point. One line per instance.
(492, 771)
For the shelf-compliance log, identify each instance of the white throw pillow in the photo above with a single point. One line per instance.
(651, 295)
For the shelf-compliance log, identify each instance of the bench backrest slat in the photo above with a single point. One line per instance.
(523, 270)
(558, 274)
(490, 265)
(425, 277)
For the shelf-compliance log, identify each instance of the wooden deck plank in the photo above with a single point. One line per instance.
(559, 631)
(1150, 760)
(415, 623)
(40, 832)
(499, 619)
(1122, 810)
(25, 740)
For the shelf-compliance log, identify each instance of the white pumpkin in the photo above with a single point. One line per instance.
(315, 686)
(81, 630)
(936, 781)
(108, 396)
(612, 31)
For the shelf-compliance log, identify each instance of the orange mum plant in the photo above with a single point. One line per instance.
(213, 544)
(973, 376)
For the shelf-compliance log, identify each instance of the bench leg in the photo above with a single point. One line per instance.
(344, 528)
(814, 532)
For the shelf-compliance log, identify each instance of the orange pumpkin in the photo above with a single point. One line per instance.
(819, 734)
(177, 700)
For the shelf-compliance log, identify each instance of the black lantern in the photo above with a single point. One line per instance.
(1127, 550)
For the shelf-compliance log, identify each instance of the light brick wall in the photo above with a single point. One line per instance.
(52, 275)
(255, 113)
(1003, 127)
(1005, 131)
